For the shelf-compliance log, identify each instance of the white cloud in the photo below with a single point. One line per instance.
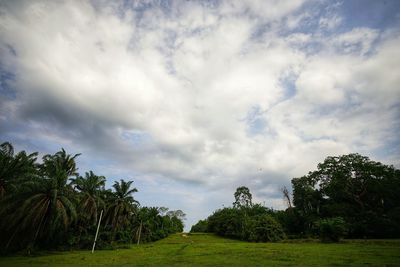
(168, 94)
(358, 40)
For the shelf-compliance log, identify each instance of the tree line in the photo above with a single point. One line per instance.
(49, 205)
(347, 196)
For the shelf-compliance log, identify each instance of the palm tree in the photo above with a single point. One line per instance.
(149, 222)
(60, 160)
(14, 168)
(90, 188)
(122, 206)
(45, 204)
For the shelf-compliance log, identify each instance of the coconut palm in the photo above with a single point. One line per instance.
(122, 205)
(14, 168)
(60, 160)
(45, 205)
(90, 188)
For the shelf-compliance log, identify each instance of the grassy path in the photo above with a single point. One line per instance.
(210, 250)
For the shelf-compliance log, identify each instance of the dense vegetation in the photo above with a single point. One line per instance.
(50, 205)
(347, 196)
(244, 221)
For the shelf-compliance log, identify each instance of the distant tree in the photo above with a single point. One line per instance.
(286, 196)
(243, 198)
(122, 206)
(177, 217)
(200, 227)
(163, 210)
(177, 213)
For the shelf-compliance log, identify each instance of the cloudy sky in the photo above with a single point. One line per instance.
(191, 99)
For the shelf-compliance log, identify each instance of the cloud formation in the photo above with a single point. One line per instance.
(194, 98)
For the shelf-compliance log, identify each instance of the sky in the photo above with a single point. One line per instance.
(192, 99)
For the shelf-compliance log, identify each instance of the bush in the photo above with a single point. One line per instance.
(332, 229)
(250, 224)
(264, 228)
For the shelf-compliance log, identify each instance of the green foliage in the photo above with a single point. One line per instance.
(363, 192)
(49, 205)
(90, 200)
(244, 221)
(200, 227)
(243, 198)
(14, 168)
(40, 208)
(332, 229)
(254, 224)
(264, 228)
(43, 207)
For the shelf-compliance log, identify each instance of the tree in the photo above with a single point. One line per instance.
(122, 206)
(90, 188)
(176, 217)
(286, 196)
(14, 168)
(243, 198)
(43, 208)
(200, 227)
(40, 209)
(60, 160)
(363, 192)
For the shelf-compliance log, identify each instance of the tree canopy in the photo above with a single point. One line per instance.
(49, 205)
(347, 196)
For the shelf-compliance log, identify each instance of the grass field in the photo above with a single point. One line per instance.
(210, 250)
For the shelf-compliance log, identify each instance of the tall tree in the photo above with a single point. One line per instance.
(90, 187)
(122, 206)
(243, 198)
(44, 208)
(363, 192)
(14, 168)
(60, 161)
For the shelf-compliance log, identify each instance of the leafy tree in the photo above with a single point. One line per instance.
(361, 191)
(243, 198)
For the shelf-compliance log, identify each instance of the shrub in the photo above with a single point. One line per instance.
(332, 229)
(266, 229)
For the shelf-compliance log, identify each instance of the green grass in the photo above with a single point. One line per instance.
(210, 250)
